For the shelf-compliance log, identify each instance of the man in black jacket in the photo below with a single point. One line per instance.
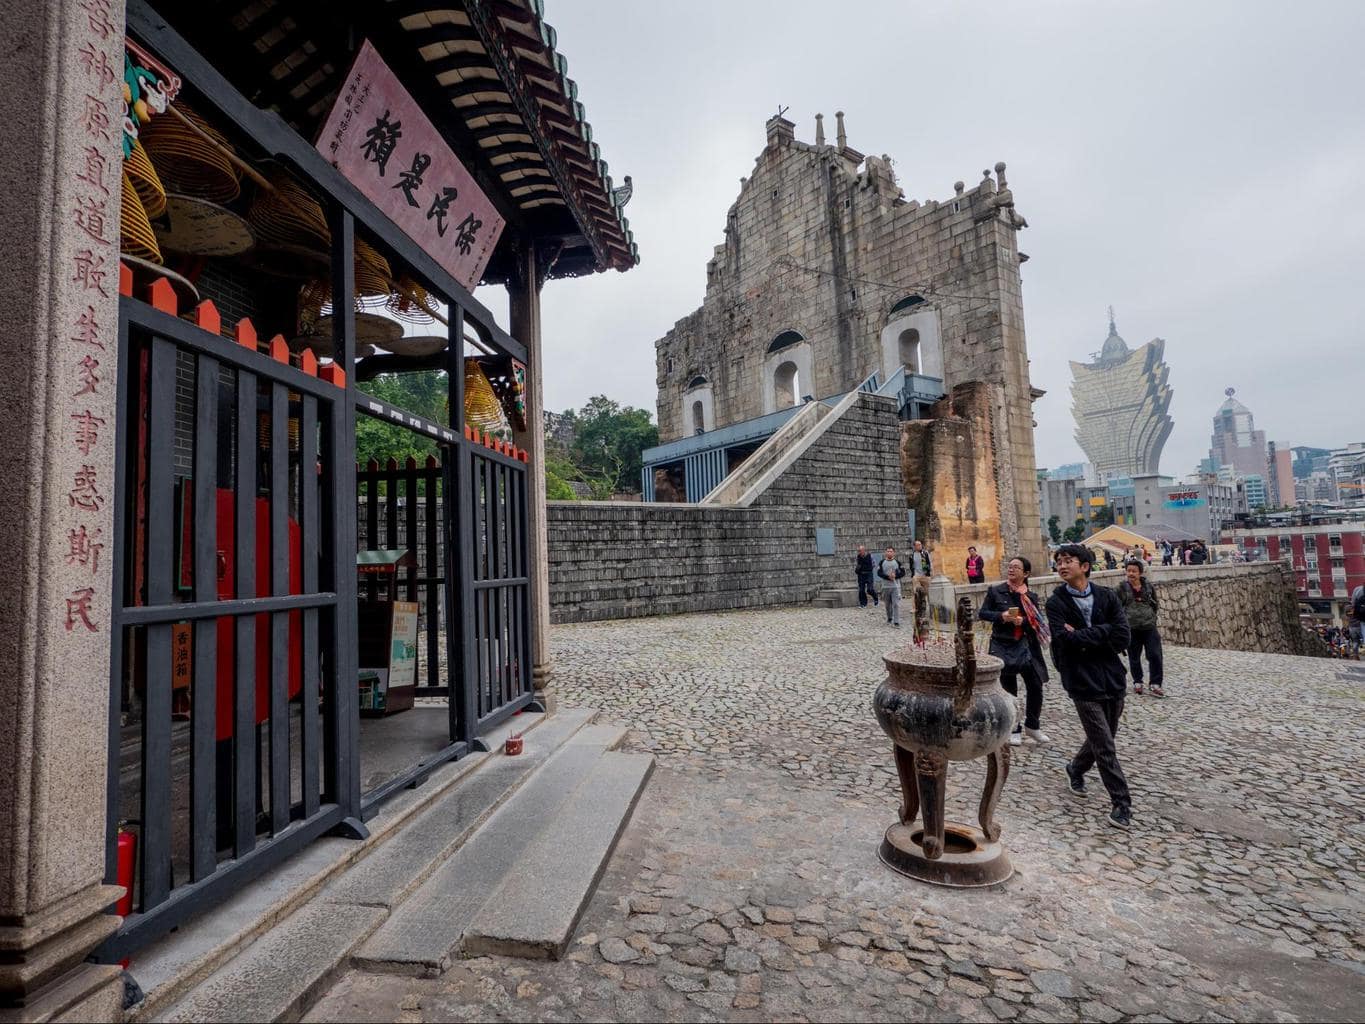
(1089, 629)
(867, 587)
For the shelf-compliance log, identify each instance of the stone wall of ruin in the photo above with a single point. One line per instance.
(815, 245)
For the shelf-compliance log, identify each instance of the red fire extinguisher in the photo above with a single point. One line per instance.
(127, 866)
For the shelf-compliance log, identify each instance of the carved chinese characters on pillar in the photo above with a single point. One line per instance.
(88, 206)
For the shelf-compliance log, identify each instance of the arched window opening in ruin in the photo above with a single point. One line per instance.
(904, 304)
(698, 418)
(785, 340)
(909, 350)
(698, 381)
(787, 385)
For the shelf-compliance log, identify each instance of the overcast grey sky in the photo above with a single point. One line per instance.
(1198, 165)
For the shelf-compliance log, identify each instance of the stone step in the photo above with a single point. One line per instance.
(423, 934)
(410, 836)
(535, 912)
(392, 873)
(284, 971)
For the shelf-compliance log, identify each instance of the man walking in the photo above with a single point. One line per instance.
(1089, 630)
(976, 567)
(862, 565)
(1138, 597)
(920, 570)
(890, 571)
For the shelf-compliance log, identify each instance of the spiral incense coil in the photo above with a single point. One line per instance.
(186, 162)
(139, 168)
(289, 217)
(373, 276)
(135, 230)
(481, 407)
(411, 303)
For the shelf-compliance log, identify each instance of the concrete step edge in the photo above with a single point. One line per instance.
(424, 933)
(506, 924)
(383, 827)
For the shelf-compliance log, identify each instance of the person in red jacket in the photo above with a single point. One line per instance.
(976, 567)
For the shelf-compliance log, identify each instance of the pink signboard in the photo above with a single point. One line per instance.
(378, 137)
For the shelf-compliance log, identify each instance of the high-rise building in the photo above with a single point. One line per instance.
(1236, 442)
(1308, 461)
(1280, 486)
(1120, 401)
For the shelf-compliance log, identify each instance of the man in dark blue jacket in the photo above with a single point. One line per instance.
(1089, 629)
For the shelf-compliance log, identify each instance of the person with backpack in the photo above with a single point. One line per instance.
(1138, 597)
(1018, 633)
(1089, 629)
(1358, 610)
(890, 572)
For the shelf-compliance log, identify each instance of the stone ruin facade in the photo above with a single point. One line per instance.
(828, 274)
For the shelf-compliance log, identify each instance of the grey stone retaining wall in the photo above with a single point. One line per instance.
(1233, 607)
(622, 559)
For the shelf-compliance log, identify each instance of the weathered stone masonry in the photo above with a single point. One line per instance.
(817, 247)
(619, 560)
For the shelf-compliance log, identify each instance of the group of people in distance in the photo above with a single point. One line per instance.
(879, 579)
(1087, 627)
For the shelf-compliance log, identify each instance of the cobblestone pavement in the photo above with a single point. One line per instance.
(747, 885)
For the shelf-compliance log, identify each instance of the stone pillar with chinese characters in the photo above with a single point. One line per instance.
(523, 293)
(58, 371)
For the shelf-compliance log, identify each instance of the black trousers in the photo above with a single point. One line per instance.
(867, 587)
(1100, 720)
(1148, 640)
(1033, 691)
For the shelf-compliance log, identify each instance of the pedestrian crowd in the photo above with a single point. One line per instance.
(1087, 628)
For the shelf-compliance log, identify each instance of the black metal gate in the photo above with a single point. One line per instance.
(234, 607)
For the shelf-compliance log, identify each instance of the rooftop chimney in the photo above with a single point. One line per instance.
(781, 132)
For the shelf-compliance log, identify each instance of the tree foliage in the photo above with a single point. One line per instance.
(1054, 529)
(1075, 533)
(607, 445)
(423, 393)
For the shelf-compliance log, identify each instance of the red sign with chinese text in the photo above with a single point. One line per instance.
(378, 137)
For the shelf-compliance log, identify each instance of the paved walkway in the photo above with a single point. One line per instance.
(747, 885)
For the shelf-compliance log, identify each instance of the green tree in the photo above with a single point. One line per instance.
(1105, 516)
(559, 471)
(422, 393)
(1054, 529)
(1075, 533)
(607, 445)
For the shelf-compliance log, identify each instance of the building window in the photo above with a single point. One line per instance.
(1335, 540)
(1312, 564)
(698, 418)
(909, 350)
(787, 384)
(1310, 544)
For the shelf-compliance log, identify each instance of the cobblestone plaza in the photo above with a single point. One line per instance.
(747, 886)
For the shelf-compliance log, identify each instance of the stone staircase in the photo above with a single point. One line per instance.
(499, 856)
(836, 597)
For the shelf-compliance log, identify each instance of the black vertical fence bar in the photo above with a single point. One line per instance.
(528, 571)
(308, 522)
(279, 621)
(204, 717)
(459, 530)
(346, 696)
(244, 738)
(391, 509)
(156, 712)
(337, 544)
(410, 504)
(433, 562)
(494, 471)
(122, 544)
(372, 522)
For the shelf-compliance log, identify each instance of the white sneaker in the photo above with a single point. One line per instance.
(1016, 739)
(1037, 735)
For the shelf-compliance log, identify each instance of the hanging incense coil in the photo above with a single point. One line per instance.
(411, 303)
(373, 276)
(482, 409)
(188, 163)
(136, 237)
(150, 190)
(289, 218)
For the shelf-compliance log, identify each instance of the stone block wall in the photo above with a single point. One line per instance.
(625, 559)
(1246, 607)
